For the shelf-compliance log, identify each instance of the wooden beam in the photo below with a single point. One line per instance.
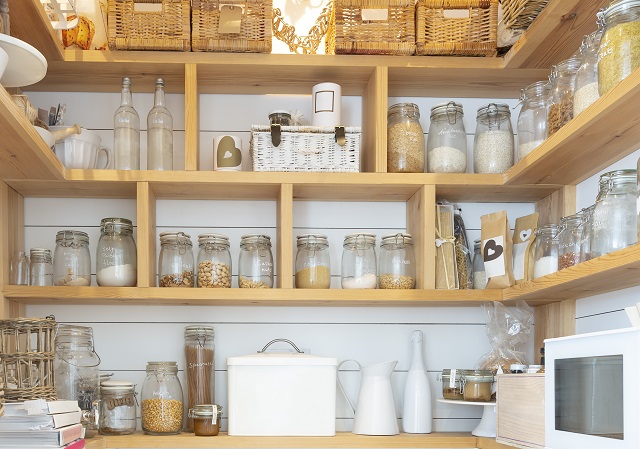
(284, 229)
(553, 320)
(374, 122)
(557, 205)
(30, 24)
(421, 225)
(191, 119)
(146, 233)
(11, 240)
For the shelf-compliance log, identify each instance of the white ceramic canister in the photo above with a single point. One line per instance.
(326, 104)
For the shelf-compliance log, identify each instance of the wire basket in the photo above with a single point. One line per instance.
(456, 27)
(149, 25)
(305, 148)
(231, 25)
(372, 27)
(26, 358)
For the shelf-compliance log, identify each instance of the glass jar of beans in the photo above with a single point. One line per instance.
(214, 261)
(161, 396)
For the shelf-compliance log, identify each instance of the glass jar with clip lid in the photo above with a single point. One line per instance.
(359, 264)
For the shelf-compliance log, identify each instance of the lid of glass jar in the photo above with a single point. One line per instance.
(39, 252)
(213, 239)
(361, 238)
(537, 88)
(459, 372)
(619, 6)
(493, 109)
(571, 220)
(255, 238)
(399, 239)
(116, 222)
(279, 112)
(171, 367)
(175, 237)
(446, 108)
(67, 237)
(306, 239)
(196, 330)
(116, 385)
(568, 66)
(72, 331)
(478, 375)
(205, 410)
(551, 229)
(620, 176)
(407, 108)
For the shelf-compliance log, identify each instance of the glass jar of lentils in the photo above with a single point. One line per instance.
(176, 260)
(214, 261)
(405, 139)
(493, 143)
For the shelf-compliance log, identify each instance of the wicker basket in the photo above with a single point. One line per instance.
(26, 358)
(517, 16)
(132, 28)
(349, 33)
(305, 148)
(456, 27)
(252, 34)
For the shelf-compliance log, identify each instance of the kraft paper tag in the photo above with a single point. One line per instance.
(230, 19)
(375, 15)
(455, 13)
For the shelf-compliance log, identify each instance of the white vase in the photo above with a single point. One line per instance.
(417, 415)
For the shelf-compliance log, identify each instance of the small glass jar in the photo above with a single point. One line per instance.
(40, 267)
(546, 252)
(19, 271)
(615, 216)
(117, 408)
(562, 87)
(586, 84)
(493, 142)
(569, 239)
(175, 263)
(161, 399)
(405, 139)
(477, 385)
(71, 259)
(359, 264)
(313, 267)
(447, 139)
(255, 267)
(206, 419)
(280, 117)
(214, 261)
(532, 119)
(585, 233)
(452, 384)
(619, 51)
(116, 255)
(397, 262)
(479, 273)
(199, 349)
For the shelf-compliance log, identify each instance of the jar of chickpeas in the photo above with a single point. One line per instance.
(161, 396)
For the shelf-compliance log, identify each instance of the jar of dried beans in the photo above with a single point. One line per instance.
(562, 86)
(532, 119)
(214, 261)
(569, 240)
(313, 268)
(176, 260)
(493, 143)
(447, 139)
(405, 139)
(255, 266)
(161, 399)
(397, 262)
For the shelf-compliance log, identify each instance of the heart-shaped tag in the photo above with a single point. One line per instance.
(525, 234)
(492, 250)
(227, 154)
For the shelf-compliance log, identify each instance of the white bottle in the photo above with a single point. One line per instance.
(417, 414)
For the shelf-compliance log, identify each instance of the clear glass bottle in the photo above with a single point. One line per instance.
(126, 129)
(586, 84)
(359, 262)
(562, 88)
(477, 385)
(546, 252)
(175, 263)
(585, 233)
(214, 261)
(199, 350)
(71, 259)
(447, 139)
(255, 265)
(405, 139)
(206, 419)
(40, 267)
(117, 408)
(161, 399)
(615, 217)
(19, 271)
(569, 239)
(159, 133)
(116, 254)
(313, 262)
(493, 141)
(397, 262)
(619, 51)
(479, 273)
(532, 119)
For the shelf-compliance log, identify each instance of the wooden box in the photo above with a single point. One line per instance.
(520, 410)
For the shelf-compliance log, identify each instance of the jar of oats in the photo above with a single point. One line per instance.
(255, 265)
(161, 397)
(405, 139)
(214, 261)
(175, 263)
(397, 262)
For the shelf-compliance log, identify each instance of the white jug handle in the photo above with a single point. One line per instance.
(107, 151)
(353, 409)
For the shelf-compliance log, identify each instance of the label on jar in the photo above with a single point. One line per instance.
(118, 402)
(452, 378)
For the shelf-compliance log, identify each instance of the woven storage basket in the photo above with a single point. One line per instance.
(254, 31)
(349, 34)
(305, 148)
(517, 16)
(456, 27)
(132, 29)
(26, 358)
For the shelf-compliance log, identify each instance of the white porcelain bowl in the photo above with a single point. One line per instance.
(4, 60)
(80, 150)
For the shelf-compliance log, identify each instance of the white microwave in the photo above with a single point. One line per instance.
(592, 390)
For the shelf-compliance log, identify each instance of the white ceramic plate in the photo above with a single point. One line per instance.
(26, 64)
(46, 136)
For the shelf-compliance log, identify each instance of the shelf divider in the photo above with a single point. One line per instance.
(421, 225)
(374, 122)
(284, 229)
(146, 235)
(191, 118)
(11, 239)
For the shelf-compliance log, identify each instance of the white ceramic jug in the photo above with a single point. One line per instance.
(376, 411)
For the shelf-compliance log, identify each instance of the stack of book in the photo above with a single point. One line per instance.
(41, 424)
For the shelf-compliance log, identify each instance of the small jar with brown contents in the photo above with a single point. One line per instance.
(569, 240)
(397, 262)
(214, 261)
(405, 139)
(206, 419)
(477, 385)
(313, 269)
(176, 260)
(452, 384)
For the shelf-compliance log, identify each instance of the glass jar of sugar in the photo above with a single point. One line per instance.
(116, 254)
(359, 264)
(447, 140)
(546, 253)
(493, 143)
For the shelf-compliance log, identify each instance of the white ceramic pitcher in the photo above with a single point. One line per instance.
(376, 411)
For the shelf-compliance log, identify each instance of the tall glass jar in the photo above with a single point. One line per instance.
(397, 262)
(255, 266)
(126, 129)
(586, 87)
(479, 273)
(585, 233)
(532, 119)
(569, 239)
(359, 264)
(40, 267)
(405, 139)
(546, 252)
(161, 399)
(116, 254)
(447, 139)
(562, 87)
(117, 408)
(619, 52)
(214, 261)
(199, 352)
(313, 264)
(19, 270)
(493, 142)
(159, 133)
(615, 217)
(71, 259)
(176, 260)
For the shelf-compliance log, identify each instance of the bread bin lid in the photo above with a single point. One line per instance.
(281, 359)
